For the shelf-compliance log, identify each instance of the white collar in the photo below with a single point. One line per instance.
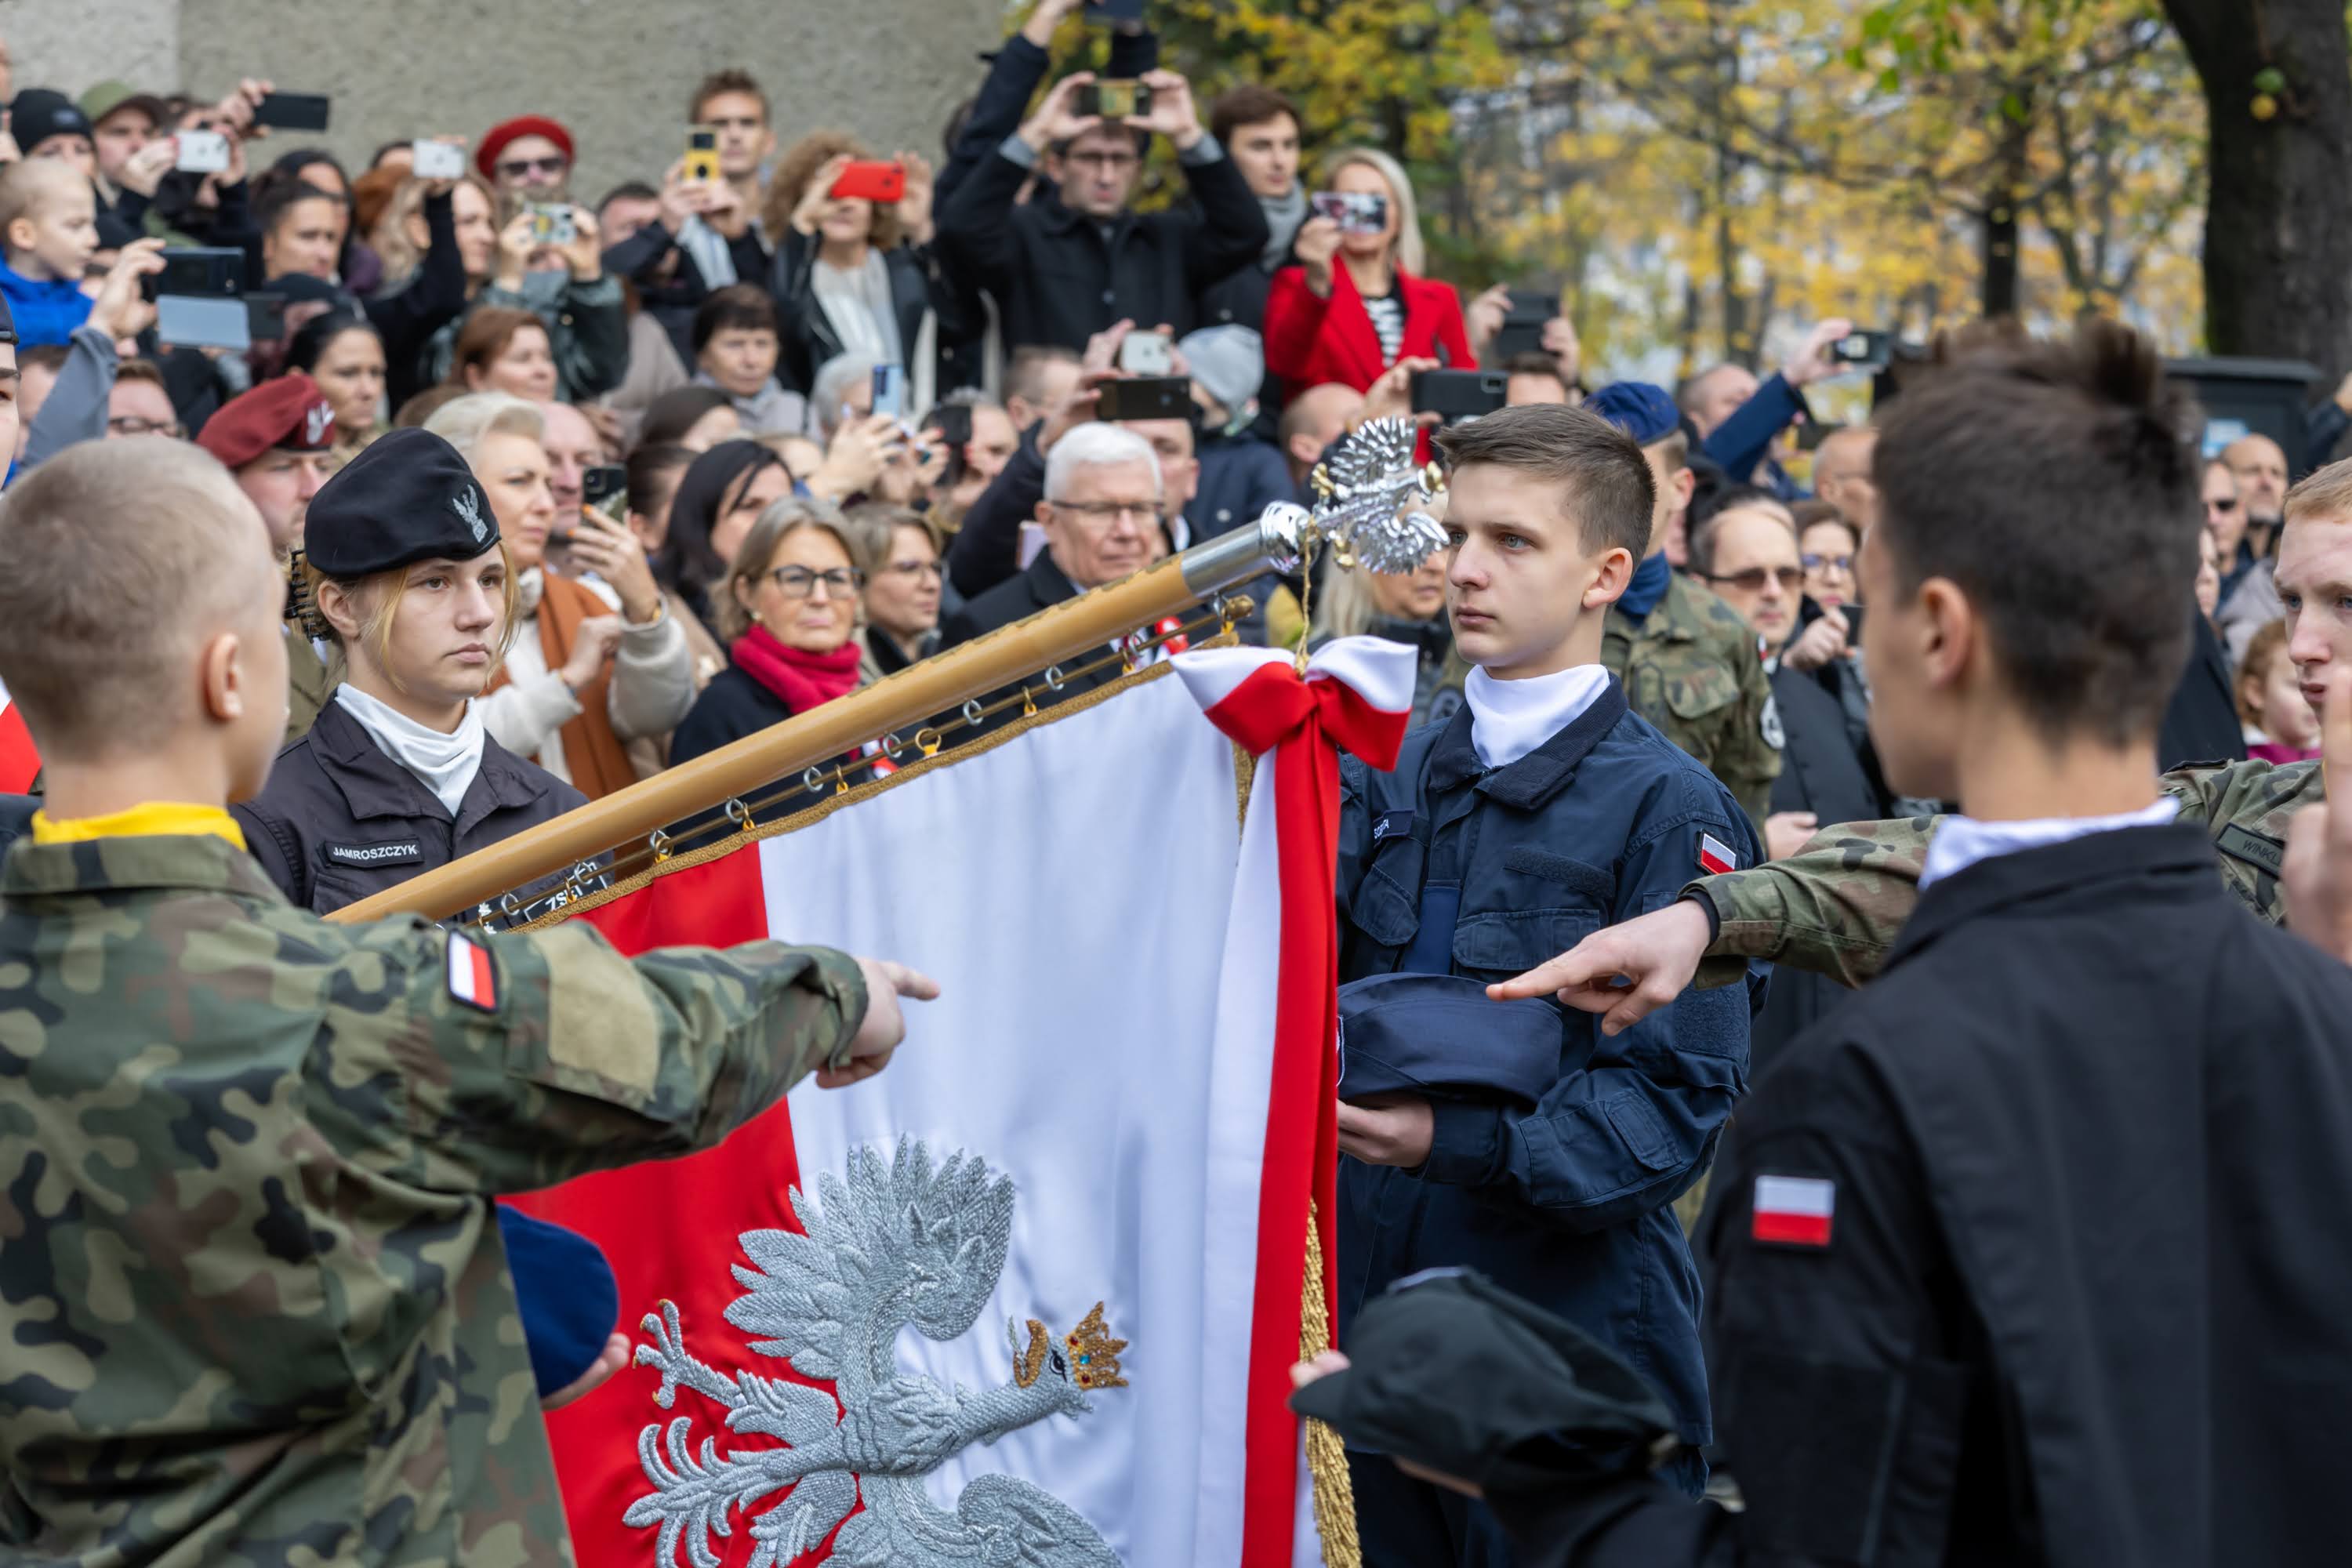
(1961, 841)
(446, 764)
(1508, 718)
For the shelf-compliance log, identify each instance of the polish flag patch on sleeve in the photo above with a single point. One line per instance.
(473, 978)
(1714, 857)
(1794, 1211)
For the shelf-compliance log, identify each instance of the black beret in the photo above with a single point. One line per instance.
(1453, 1373)
(408, 497)
(1439, 1037)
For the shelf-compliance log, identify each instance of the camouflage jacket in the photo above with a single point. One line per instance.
(255, 1303)
(1690, 668)
(1836, 905)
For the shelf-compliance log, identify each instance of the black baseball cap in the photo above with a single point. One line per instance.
(408, 497)
(1453, 1372)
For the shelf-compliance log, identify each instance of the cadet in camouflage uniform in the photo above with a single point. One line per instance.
(255, 1303)
(1687, 661)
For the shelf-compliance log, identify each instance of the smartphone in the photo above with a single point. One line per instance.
(202, 152)
(953, 422)
(1146, 353)
(436, 161)
(202, 321)
(265, 317)
(1523, 323)
(209, 272)
(1458, 394)
(891, 391)
(874, 182)
(291, 111)
(605, 487)
(551, 223)
(1861, 348)
(1113, 99)
(1115, 13)
(1356, 212)
(702, 156)
(1148, 398)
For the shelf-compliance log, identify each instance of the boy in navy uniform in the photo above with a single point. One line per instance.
(1541, 810)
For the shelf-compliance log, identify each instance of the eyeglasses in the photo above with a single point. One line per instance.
(799, 583)
(916, 569)
(516, 168)
(1112, 510)
(1826, 563)
(2224, 507)
(1752, 581)
(131, 424)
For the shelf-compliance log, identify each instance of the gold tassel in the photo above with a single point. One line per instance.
(1326, 1458)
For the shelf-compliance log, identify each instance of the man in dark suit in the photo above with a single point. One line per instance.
(1104, 516)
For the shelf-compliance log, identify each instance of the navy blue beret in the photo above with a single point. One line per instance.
(566, 1293)
(1642, 410)
(1439, 1037)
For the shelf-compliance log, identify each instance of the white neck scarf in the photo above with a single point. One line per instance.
(446, 764)
(1508, 718)
(1961, 841)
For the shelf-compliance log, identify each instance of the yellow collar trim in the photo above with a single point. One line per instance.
(152, 819)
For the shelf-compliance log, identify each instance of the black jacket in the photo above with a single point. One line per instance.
(339, 820)
(731, 707)
(673, 300)
(2200, 723)
(986, 550)
(809, 336)
(2080, 1140)
(1040, 587)
(1059, 278)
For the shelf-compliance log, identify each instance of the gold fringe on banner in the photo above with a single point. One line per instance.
(1326, 1459)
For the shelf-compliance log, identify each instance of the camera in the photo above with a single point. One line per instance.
(551, 224)
(436, 161)
(877, 183)
(1458, 394)
(1861, 348)
(702, 156)
(1113, 99)
(1356, 212)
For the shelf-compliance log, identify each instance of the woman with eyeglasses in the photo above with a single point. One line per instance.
(1827, 544)
(787, 612)
(903, 595)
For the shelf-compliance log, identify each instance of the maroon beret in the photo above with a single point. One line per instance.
(289, 413)
(494, 142)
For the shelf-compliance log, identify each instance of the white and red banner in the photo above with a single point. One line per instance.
(20, 764)
(1042, 1281)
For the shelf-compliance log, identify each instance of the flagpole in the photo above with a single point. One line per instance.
(941, 684)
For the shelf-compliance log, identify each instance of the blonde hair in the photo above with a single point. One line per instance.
(1406, 250)
(465, 422)
(2323, 493)
(399, 254)
(757, 553)
(377, 598)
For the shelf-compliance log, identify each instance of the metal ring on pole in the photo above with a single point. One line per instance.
(659, 842)
(1052, 677)
(972, 713)
(740, 814)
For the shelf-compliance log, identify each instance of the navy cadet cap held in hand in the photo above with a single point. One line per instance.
(408, 497)
(1438, 1037)
(1453, 1372)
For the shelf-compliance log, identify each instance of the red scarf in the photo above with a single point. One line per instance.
(804, 680)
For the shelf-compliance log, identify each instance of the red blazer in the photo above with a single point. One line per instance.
(1309, 341)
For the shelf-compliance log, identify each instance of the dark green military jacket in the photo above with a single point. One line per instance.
(1691, 668)
(1835, 905)
(308, 684)
(255, 1308)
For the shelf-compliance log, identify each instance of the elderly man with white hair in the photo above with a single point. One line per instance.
(1103, 516)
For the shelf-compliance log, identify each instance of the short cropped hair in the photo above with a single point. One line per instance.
(1605, 480)
(2056, 485)
(2324, 492)
(725, 81)
(280, 197)
(1250, 104)
(738, 307)
(1746, 500)
(1098, 446)
(118, 558)
(29, 183)
(1024, 371)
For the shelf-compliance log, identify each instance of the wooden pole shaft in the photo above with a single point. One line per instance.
(1085, 626)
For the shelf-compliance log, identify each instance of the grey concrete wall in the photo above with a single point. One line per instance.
(617, 71)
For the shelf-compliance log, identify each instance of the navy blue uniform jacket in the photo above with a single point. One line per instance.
(1565, 1205)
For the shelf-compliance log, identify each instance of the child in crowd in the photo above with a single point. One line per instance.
(2281, 726)
(49, 232)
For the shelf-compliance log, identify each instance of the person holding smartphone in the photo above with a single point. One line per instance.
(1355, 303)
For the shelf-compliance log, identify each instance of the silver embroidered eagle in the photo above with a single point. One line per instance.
(899, 1242)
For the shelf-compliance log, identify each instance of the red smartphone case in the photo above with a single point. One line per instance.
(874, 182)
